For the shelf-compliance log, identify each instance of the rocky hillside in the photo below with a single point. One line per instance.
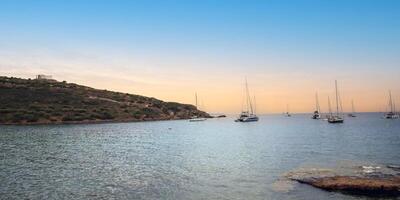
(26, 101)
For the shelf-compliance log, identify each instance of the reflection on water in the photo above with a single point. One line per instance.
(214, 159)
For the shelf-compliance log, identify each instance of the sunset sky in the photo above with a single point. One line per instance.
(288, 50)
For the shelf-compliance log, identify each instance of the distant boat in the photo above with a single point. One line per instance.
(287, 114)
(335, 118)
(196, 118)
(392, 113)
(248, 115)
(352, 110)
(316, 114)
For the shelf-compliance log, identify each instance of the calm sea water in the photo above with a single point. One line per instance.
(215, 159)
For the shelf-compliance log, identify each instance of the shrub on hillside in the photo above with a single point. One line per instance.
(107, 115)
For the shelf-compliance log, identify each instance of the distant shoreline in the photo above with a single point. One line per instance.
(88, 122)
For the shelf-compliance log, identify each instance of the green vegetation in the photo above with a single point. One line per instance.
(26, 101)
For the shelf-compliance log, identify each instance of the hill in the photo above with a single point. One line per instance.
(33, 101)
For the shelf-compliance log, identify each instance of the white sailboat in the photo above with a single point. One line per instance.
(352, 110)
(249, 114)
(335, 118)
(316, 114)
(196, 118)
(392, 113)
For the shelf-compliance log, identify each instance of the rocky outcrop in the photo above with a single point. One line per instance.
(365, 180)
(357, 185)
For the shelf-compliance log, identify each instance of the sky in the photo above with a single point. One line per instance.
(287, 50)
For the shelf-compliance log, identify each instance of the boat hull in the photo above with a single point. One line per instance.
(316, 117)
(197, 120)
(391, 117)
(247, 119)
(335, 120)
(250, 119)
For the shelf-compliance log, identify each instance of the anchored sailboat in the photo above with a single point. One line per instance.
(352, 110)
(317, 111)
(249, 114)
(335, 118)
(196, 118)
(392, 114)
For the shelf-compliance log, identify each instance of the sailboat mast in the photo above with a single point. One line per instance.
(317, 102)
(390, 101)
(352, 106)
(394, 107)
(255, 104)
(329, 105)
(340, 104)
(248, 98)
(337, 101)
(195, 95)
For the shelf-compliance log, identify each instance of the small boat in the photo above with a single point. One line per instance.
(196, 118)
(352, 110)
(392, 113)
(335, 118)
(248, 115)
(316, 114)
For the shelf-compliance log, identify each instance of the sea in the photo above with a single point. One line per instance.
(213, 159)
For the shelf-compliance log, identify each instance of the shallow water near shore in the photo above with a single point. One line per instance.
(213, 159)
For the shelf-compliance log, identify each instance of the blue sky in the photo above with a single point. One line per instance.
(145, 43)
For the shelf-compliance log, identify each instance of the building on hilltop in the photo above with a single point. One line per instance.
(43, 77)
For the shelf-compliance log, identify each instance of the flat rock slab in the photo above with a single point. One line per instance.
(357, 185)
(364, 180)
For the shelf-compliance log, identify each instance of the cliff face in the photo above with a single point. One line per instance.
(25, 101)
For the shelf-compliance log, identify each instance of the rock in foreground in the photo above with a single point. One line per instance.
(364, 180)
(357, 185)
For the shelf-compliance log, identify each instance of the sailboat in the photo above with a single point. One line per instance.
(335, 118)
(316, 114)
(249, 114)
(352, 110)
(287, 114)
(392, 114)
(196, 118)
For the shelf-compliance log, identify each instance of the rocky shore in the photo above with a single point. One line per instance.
(375, 180)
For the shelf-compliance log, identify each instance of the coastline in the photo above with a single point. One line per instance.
(93, 122)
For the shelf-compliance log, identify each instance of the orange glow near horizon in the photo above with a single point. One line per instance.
(224, 94)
